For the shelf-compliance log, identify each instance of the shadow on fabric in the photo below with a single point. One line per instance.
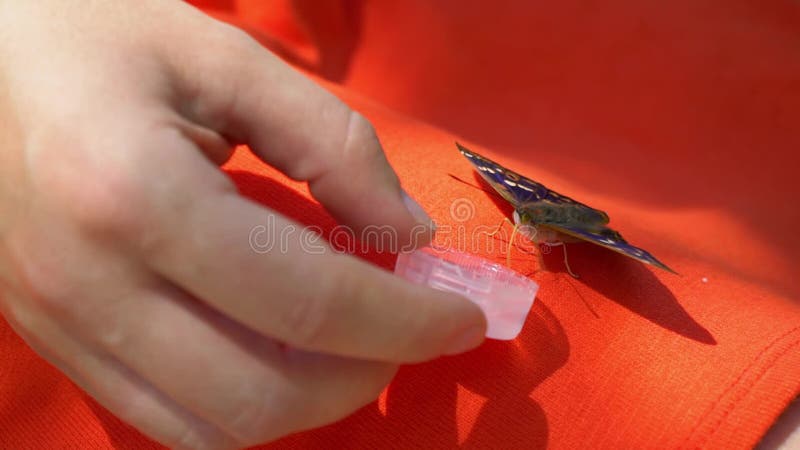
(492, 380)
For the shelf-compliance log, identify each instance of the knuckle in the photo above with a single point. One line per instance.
(41, 278)
(192, 437)
(187, 439)
(360, 137)
(55, 294)
(90, 189)
(327, 155)
(107, 334)
(263, 415)
(313, 317)
(133, 403)
(320, 319)
(362, 148)
(358, 125)
(105, 205)
(236, 36)
(307, 318)
(15, 313)
(354, 144)
(64, 290)
(227, 39)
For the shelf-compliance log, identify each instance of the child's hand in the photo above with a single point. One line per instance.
(124, 256)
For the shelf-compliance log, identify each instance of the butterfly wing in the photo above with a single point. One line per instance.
(541, 206)
(521, 191)
(515, 188)
(609, 239)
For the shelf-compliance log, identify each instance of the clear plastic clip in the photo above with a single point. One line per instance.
(504, 295)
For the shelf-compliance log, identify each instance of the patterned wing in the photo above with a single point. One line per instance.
(515, 188)
(521, 191)
(610, 239)
(539, 205)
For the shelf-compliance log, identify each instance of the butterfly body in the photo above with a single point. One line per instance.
(544, 215)
(537, 232)
(547, 212)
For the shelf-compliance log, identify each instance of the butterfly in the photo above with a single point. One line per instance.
(546, 216)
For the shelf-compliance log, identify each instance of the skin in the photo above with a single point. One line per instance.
(123, 248)
(121, 244)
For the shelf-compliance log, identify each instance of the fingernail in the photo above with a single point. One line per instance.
(465, 340)
(417, 211)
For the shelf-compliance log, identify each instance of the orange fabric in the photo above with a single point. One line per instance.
(674, 117)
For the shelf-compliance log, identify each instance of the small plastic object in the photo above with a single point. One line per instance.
(504, 295)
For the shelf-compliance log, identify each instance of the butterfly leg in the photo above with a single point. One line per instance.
(511, 243)
(500, 226)
(566, 260)
(539, 258)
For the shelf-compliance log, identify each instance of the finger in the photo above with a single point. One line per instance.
(300, 128)
(304, 295)
(113, 385)
(245, 384)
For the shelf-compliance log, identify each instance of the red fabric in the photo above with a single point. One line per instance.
(677, 118)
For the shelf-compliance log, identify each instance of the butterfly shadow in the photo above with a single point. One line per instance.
(630, 284)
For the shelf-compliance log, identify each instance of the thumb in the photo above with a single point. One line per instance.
(290, 122)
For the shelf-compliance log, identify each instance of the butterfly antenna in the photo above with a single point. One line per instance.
(500, 226)
(460, 180)
(511, 243)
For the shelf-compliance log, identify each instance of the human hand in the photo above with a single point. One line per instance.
(123, 248)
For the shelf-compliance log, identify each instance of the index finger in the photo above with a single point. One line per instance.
(295, 125)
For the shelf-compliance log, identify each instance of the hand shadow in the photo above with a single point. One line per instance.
(473, 398)
(495, 381)
(462, 401)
